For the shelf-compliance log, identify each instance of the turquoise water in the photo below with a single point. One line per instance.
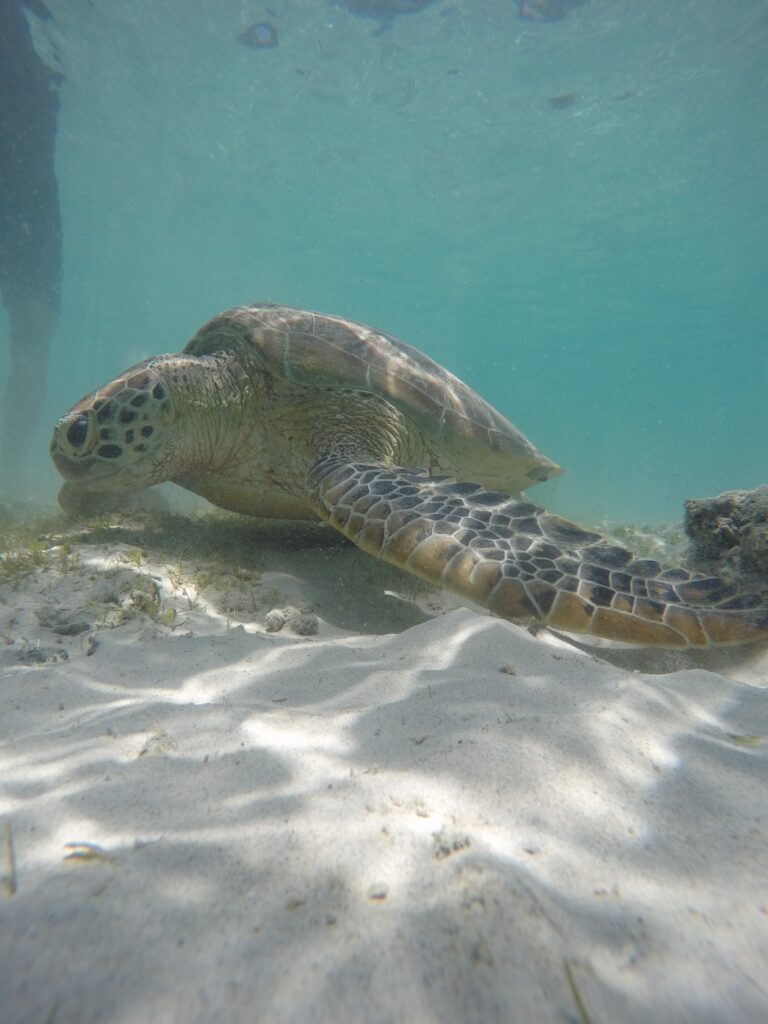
(595, 268)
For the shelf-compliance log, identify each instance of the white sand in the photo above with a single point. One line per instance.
(459, 822)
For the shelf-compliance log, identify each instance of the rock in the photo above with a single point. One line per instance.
(275, 620)
(729, 533)
(37, 654)
(302, 622)
(62, 621)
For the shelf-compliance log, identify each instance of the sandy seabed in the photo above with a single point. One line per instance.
(244, 776)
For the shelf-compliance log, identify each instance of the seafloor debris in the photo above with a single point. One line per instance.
(40, 654)
(62, 621)
(261, 35)
(546, 10)
(8, 878)
(561, 102)
(87, 852)
(384, 11)
(303, 623)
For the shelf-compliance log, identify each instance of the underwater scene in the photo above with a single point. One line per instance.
(383, 511)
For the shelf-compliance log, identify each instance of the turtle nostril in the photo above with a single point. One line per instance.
(78, 431)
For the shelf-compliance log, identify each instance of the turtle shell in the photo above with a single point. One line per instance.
(319, 351)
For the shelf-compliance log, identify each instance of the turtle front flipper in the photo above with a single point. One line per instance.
(524, 563)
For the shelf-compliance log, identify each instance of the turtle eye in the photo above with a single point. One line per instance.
(77, 432)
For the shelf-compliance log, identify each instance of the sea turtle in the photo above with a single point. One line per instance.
(285, 413)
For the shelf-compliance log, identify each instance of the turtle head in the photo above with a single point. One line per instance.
(122, 436)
